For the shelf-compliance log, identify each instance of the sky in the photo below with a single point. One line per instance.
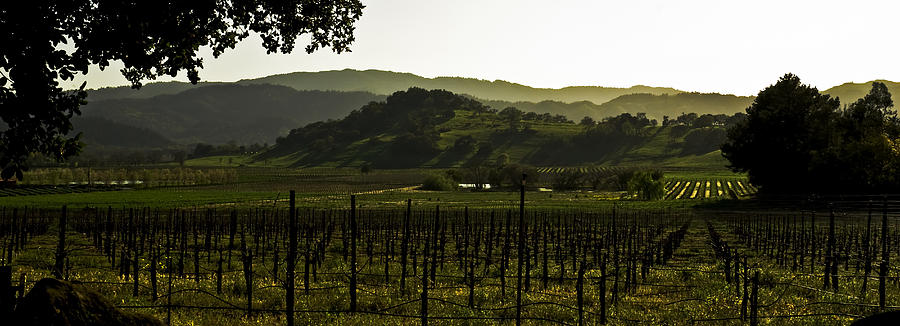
(734, 47)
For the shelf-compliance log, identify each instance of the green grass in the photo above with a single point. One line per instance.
(237, 161)
(161, 197)
(331, 187)
(210, 196)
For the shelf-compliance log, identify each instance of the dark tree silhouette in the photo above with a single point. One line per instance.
(587, 121)
(795, 140)
(151, 37)
(513, 116)
(785, 124)
(864, 152)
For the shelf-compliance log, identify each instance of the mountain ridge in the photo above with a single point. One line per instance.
(382, 82)
(121, 104)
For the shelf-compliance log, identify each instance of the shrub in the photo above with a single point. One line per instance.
(647, 185)
(438, 182)
(567, 180)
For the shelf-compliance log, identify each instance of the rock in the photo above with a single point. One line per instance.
(885, 318)
(56, 302)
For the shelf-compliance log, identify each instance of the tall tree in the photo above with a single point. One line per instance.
(865, 150)
(786, 124)
(152, 38)
(796, 140)
(513, 116)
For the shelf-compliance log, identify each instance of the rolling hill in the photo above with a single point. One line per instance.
(103, 132)
(220, 113)
(850, 92)
(655, 106)
(422, 128)
(387, 82)
(658, 106)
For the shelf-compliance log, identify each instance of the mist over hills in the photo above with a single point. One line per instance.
(387, 82)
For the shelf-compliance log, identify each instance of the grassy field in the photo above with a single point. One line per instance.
(319, 187)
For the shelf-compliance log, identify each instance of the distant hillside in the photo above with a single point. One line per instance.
(146, 91)
(850, 92)
(98, 131)
(387, 82)
(220, 113)
(259, 110)
(573, 102)
(657, 106)
(574, 110)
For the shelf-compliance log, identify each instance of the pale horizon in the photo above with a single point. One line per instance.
(696, 46)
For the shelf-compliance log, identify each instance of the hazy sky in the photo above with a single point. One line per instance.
(709, 46)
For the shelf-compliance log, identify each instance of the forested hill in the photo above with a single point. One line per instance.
(409, 119)
(436, 128)
(850, 92)
(654, 106)
(221, 113)
(673, 105)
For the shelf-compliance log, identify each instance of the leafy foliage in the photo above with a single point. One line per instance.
(567, 180)
(152, 38)
(703, 140)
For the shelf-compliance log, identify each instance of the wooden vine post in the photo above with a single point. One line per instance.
(885, 259)
(424, 296)
(353, 236)
(404, 245)
(520, 246)
(61, 246)
(291, 260)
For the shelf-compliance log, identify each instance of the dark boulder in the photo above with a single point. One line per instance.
(56, 302)
(885, 318)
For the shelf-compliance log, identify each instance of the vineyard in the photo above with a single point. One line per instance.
(142, 177)
(584, 170)
(734, 188)
(50, 190)
(419, 264)
(547, 174)
(678, 187)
